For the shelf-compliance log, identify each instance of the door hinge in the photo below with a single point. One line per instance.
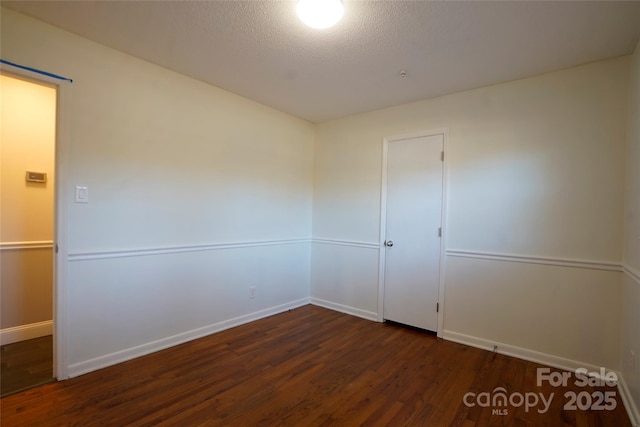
(56, 248)
(440, 232)
(442, 156)
(437, 307)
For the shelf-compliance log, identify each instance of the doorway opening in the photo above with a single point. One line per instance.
(27, 232)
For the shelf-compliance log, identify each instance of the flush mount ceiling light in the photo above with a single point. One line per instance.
(320, 13)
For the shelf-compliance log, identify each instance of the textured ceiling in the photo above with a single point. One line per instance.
(260, 50)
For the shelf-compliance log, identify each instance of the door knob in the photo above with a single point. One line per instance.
(388, 243)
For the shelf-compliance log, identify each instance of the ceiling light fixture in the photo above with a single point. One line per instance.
(320, 13)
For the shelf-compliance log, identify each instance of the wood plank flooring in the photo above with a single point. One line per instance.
(305, 367)
(26, 364)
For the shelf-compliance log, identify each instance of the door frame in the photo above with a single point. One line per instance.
(60, 226)
(383, 219)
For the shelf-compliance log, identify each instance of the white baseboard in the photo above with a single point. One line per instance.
(26, 332)
(87, 366)
(548, 360)
(521, 353)
(629, 403)
(369, 315)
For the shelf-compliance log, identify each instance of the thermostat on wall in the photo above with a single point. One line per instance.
(36, 176)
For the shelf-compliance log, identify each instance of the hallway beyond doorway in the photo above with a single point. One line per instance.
(26, 364)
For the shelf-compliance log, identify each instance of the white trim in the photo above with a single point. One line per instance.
(444, 234)
(536, 259)
(356, 244)
(520, 352)
(87, 256)
(60, 254)
(26, 332)
(382, 253)
(100, 362)
(633, 274)
(60, 265)
(629, 403)
(358, 312)
(419, 134)
(17, 246)
(548, 360)
(383, 219)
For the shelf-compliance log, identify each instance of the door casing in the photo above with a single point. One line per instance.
(383, 221)
(60, 247)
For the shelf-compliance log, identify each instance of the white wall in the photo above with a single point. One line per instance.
(536, 169)
(197, 194)
(26, 223)
(630, 342)
(170, 163)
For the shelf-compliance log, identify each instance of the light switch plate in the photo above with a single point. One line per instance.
(82, 194)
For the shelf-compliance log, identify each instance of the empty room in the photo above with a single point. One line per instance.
(385, 213)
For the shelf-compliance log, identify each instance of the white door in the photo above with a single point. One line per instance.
(412, 237)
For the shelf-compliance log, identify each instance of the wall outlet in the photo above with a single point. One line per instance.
(252, 292)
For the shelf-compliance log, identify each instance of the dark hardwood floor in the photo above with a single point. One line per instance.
(26, 364)
(306, 367)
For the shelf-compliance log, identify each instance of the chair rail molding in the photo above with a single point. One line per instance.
(123, 253)
(537, 259)
(629, 271)
(36, 244)
(353, 243)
